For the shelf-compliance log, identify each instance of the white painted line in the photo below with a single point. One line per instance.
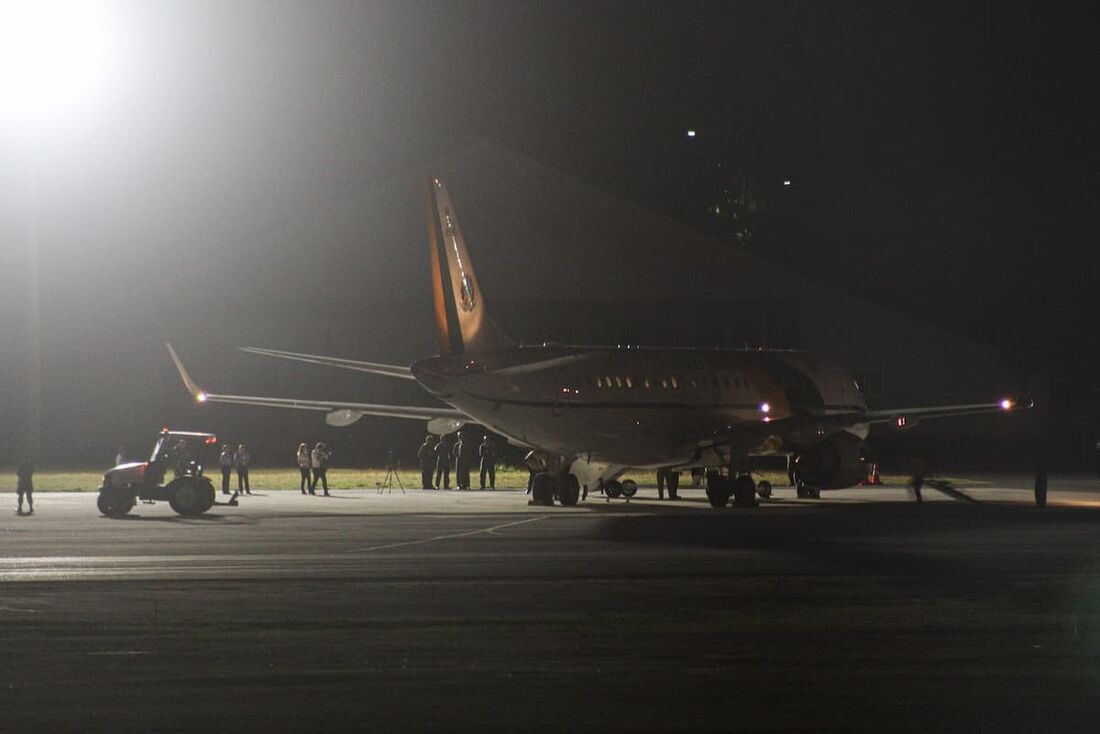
(492, 530)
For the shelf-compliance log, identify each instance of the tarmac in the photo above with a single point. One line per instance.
(461, 611)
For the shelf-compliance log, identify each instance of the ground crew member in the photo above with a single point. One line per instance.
(426, 456)
(242, 460)
(319, 459)
(443, 463)
(225, 461)
(790, 470)
(303, 468)
(25, 486)
(487, 451)
(462, 466)
(662, 477)
(120, 456)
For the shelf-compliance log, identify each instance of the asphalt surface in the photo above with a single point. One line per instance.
(475, 611)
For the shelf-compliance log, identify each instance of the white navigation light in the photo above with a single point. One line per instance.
(691, 133)
(765, 408)
(786, 182)
(201, 397)
(1006, 404)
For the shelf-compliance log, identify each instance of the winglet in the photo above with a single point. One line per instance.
(198, 393)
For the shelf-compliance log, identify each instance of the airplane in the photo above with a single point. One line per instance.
(590, 413)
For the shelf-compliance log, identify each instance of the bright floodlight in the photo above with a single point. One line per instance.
(691, 133)
(53, 54)
(1006, 404)
(765, 408)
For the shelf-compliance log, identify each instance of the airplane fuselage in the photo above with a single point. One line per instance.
(644, 407)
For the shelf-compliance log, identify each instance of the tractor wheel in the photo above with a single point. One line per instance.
(630, 488)
(114, 503)
(187, 496)
(764, 489)
(613, 489)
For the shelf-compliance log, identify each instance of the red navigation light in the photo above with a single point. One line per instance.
(211, 439)
(901, 422)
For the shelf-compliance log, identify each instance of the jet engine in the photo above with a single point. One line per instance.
(838, 462)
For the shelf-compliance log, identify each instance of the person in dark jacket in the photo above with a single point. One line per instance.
(243, 460)
(225, 462)
(426, 456)
(462, 464)
(487, 451)
(443, 463)
(319, 459)
(25, 486)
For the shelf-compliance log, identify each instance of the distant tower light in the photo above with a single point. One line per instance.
(786, 182)
(691, 133)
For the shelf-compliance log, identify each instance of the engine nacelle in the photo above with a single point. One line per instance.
(835, 463)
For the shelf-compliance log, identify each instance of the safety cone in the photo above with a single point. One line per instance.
(873, 478)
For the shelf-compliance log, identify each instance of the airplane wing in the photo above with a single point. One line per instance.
(807, 430)
(338, 413)
(389, 370)
(907, 417)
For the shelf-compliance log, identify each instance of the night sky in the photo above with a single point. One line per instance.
(942, 159)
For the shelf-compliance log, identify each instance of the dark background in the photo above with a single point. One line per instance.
(942, 162)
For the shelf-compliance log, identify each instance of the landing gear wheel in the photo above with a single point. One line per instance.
(189, 497)
(764, 489)
(569, 491)
(542, 489)
(806, 492)
(613, 489)
(744, 491)
(718, 489)
(630, 488)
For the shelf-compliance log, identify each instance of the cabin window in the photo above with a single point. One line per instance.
(618, 381)
(599, 382)
(725, 381)
(629, 382)
(675, 383)
(646, 383)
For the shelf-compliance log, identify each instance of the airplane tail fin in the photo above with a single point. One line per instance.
(462, 323)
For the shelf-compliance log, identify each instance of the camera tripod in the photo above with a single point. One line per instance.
(386, 485)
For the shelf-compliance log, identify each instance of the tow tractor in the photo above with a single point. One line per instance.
(189, 492)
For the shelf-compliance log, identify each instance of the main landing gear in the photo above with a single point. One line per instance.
(547, 487)
(741, 488)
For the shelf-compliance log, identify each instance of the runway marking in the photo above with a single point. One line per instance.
(451, 536)
(18, 609)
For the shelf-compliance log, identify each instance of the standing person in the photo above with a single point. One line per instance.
(488, 453)
(243, 459)
(319, 459)
(790, 470)
(25, 486)
(443, 463)
(303, 467)
(120, 456)
(662, 477)
(462, 467)
(426, 456)
(225, 461)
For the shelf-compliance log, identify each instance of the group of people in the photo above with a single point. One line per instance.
(437, 456)
(241, 459)
(313, 466)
